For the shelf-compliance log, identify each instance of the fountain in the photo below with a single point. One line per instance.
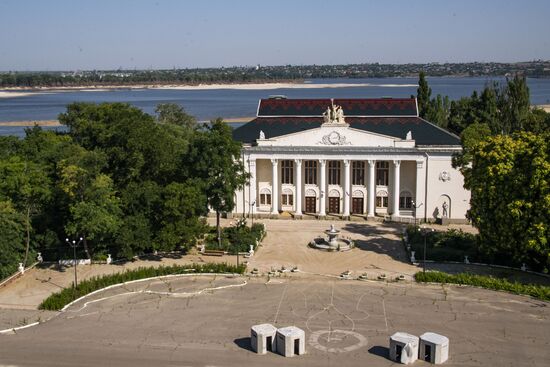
(333, 243)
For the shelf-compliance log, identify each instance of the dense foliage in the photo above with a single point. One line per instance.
(505, 162)
(509, 180)
(451, 245)
(60, 299)
(237, 238)
(536, 291)
(125, 181)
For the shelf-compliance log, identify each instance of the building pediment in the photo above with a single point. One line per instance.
(335, 135)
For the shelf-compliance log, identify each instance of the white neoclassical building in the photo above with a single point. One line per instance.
(349, 157)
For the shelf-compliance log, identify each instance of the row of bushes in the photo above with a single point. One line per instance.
(451, 245)
(536, 291)
(237, 238)
(58, 300)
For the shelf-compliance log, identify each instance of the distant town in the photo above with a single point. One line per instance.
(260, 73)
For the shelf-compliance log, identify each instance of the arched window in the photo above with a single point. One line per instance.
(405, 200)
(265, 197)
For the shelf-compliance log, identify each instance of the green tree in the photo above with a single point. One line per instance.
(171, 113)
(514, 105)
(423, 95)
(94, 209)
(509, 182)
(12, 229)
(29, 189)
(216, 158)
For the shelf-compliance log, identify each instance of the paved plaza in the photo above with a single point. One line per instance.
(201, 320)
(205, 321)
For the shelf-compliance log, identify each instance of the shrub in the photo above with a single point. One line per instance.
(488, 282)
(237, 238)
(58, 300)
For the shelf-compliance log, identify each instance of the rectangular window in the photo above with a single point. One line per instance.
(288, 199)
(334, 172)
(310, 172)
(405, 202)
(358, 173)
(382, 201)
(265, 199)
(382, 173)
(287, 174)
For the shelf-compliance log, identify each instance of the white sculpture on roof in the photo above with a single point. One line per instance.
(409, 135)
(262, 135)
(334, 115)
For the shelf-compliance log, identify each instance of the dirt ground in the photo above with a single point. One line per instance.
(206, 320)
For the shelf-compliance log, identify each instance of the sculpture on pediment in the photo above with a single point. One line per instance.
(334, 114)
(262, 135)
(409, 135)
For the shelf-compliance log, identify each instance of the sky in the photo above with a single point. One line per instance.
(111, 34)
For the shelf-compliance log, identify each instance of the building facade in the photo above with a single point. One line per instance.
(349, 157)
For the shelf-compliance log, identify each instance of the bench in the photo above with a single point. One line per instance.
(213, 252)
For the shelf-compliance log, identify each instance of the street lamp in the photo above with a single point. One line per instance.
(414, 211)
(425, 231)
(74, 245)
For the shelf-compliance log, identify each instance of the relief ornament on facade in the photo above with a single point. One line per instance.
(445, 176)
(334, 138)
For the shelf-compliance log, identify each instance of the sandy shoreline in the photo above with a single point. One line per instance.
(22, 92)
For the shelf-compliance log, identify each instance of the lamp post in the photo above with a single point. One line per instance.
(425, 233)
(414, 211)
(74, 245)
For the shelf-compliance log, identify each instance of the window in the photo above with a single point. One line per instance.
(382, 173)
(311, 172)
(381, 199)
(358, 173)
(265, 199)
(287, 168)
(288, 199)
(334, 172)
(405, 200)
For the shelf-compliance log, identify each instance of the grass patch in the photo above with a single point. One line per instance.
(58, 300)
(536, 291)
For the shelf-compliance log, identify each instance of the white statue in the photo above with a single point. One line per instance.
(39, 257)
(21, 268)
(338, 114)
(326, 115)
(409, 135)
(262, 135)
(109, 259)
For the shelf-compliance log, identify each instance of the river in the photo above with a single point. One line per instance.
(231, 103)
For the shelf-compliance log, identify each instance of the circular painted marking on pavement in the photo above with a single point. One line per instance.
(323, 344)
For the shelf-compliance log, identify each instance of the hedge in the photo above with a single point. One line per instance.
(58, 300)
(488, 282)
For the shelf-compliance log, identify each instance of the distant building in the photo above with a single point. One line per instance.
(343, 157)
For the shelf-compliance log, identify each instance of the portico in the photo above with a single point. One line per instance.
(305, 157)
(340, 186)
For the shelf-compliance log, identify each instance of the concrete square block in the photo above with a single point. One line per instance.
(262, 338)
(291, 341)
(434, 348)
(403, 348)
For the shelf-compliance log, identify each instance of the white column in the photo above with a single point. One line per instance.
(419, 197)
(322, 188)
(298, 200)
(371, 189)
(346, 187)
(396, 188)
(252, 187)
(274, 187)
